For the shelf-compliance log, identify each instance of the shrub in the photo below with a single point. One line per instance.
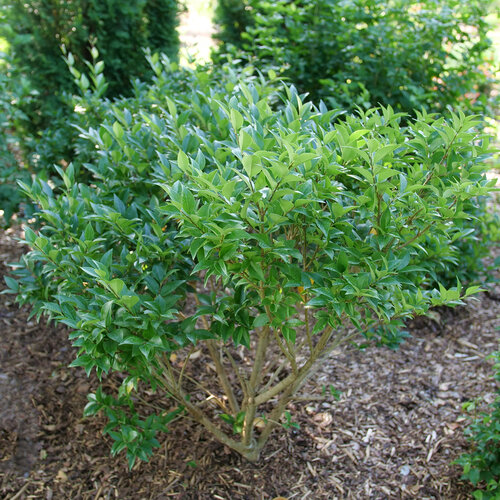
(214, 216)
(362, 52)
(482, 466)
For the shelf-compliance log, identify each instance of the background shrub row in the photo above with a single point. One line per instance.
(409, 55)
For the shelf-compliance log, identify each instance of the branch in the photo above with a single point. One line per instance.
(170, 383)
(179, 381)
(219, 367)
(221, 372)
(273, 391)
(278, 370)
(420, 233)
(253, 383)
(220, 435)
(284, 350)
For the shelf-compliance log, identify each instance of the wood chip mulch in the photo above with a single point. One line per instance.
(392, 435)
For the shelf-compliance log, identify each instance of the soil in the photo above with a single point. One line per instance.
(392, 435)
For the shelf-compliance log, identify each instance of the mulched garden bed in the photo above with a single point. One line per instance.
(392, 435)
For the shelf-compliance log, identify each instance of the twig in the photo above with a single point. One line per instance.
(420, 233)
(21, 491)
(179, 381)
(243, 381)
(284, 350)
(278, 370)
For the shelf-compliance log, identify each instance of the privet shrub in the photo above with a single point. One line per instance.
(482, 466)
(217, 218)
(364, 52)
(120, 30)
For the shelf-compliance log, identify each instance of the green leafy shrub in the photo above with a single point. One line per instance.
(221, 213)
(482, 466)
(400, 53)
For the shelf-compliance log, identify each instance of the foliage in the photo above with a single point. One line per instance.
(219, 211)
(60, 143)
(38, 87)
(23, 154)
(232, 17)
(36, 31)
(363, 52)
(122, 29)
(482, 466)
(397, 53)
(464, 259)
(10, 170)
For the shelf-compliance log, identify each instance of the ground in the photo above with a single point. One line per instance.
(392, 435)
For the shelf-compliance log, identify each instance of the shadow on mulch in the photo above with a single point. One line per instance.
(392, 435)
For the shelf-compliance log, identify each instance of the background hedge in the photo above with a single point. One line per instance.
(36, 30)
(365, 52)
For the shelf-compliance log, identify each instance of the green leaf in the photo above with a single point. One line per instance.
(175, 192)
(320, 325)
(129, 301)
(236, 119)
(260, 321)
(116, 286)
(245, 140)
(188, 202)
(132, 340)
(383, 152)
(241, 336)
(30, 235)
(386, 174)
(89, 232)
(12, 284)
(183, 161)
(118, 130)
(342, 262)
(304, 157)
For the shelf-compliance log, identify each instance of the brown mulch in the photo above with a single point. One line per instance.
(392, 435)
